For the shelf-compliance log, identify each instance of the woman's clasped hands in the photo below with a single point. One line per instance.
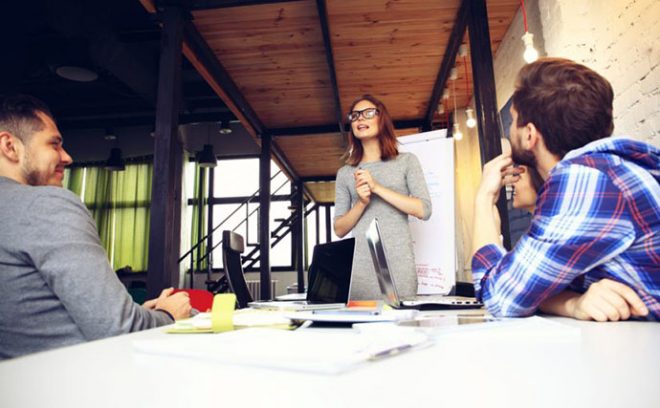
(364, 185)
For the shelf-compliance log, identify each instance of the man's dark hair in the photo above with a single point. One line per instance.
(570, 104)
(19, 115)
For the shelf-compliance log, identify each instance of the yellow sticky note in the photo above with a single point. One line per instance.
(222, 314)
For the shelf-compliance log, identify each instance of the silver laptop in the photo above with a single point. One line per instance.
(329, 279)
(388, 286)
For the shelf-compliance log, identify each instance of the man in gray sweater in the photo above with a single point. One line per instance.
(57, 287)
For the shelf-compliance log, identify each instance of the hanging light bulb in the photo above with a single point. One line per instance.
(453, 74)
(456, 133)
(471, 121)
(530, 55)
(441, 109)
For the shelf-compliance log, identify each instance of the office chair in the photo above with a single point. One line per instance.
(232, 248)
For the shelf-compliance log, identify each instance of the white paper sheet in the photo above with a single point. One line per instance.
(303, 350)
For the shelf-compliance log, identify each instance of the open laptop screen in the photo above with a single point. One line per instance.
(381, 266)
(330, 272)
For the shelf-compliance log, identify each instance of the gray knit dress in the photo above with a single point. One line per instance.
(404, 175)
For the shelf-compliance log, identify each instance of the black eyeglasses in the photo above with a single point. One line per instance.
(368, 113)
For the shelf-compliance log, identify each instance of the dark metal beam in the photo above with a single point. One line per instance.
(311, 179)
(450, 126)
(239, 200)
(264, 217)
(328, 224)
(318, 223)
(298, 237)
(448, 62)
(323, 18)
(332, 128)
(165, 212)
(485, 98)
(200, 217)
(210, 223)
(137, 119)
(304, 130)
(216, 4)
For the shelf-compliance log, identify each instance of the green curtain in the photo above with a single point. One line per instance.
(198, 229)
(119, 203)
(130, 201)
(73, 179)
(96, 196)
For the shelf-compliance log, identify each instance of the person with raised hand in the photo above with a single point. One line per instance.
(597, 215)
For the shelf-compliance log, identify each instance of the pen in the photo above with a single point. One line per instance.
(348, 312)
(390, 352)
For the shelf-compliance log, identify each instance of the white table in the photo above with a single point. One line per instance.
(609, 365)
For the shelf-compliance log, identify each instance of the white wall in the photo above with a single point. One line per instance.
(620, 39)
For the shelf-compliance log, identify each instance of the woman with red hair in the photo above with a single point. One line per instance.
(379, 182)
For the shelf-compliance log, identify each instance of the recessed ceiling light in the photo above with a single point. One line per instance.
(75, 73)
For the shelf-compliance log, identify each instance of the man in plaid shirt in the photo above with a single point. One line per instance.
(593, 248)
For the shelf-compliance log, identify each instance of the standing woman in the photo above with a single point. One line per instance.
(379, 182)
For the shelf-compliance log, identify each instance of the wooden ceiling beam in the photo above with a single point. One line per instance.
(448, 62)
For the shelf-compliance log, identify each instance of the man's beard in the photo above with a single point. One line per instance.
(32, 176)
(523, 157)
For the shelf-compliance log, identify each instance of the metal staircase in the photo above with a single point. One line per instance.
(283, 228)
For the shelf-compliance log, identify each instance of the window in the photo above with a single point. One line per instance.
(235, 181)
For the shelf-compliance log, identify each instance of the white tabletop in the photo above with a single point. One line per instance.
(606, 365)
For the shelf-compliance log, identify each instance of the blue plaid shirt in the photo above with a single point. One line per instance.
(597, 216)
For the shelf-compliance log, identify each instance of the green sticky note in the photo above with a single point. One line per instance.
(222, 314)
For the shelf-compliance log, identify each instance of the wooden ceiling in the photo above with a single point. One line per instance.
(276, 55)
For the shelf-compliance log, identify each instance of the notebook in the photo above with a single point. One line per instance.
(388, 286)
(329, 279)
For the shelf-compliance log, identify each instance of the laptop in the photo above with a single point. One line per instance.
(329, 279)
(388, 286)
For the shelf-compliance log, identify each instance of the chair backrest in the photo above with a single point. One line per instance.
(232, 248)
(200, 299)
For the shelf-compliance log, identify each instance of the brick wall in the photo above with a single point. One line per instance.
(620, 39)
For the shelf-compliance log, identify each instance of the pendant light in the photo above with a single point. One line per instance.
(206, 157)
(115, 161)
(530, 55)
